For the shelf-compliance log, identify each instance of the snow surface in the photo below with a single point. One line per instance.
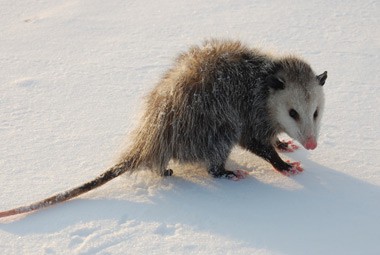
(72, 78)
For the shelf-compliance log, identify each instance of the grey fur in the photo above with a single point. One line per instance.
(216, 96)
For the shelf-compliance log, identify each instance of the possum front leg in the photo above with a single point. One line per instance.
(285, 146)
(269, 153)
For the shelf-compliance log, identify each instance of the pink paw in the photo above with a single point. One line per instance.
(296, 169)
(287, 146)
(239, 174)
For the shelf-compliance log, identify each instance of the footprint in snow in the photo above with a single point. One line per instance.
(165, 230)
(79, 236)
(26, 82)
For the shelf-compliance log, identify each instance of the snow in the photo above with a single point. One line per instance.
(73, 75)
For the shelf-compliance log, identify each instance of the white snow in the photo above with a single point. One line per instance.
(73, 74)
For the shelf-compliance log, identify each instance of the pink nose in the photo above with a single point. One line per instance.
(311, 143)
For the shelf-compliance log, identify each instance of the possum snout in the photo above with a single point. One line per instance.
(310, 143)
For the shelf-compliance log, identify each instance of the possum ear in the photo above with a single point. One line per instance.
(322, 78)
(275, 82)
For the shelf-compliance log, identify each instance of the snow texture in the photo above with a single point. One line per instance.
(72, 78)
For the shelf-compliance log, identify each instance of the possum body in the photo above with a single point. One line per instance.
(216, 96)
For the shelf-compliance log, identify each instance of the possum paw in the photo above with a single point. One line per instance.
(168, 172)
(294, 169)
(231, 175)
(286, 146)
(236, 175)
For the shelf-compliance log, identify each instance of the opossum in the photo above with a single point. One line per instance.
(216, 96)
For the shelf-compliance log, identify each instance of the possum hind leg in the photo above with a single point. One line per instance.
(167, 172)
(219, 146)
(221, 172)
(217, 157)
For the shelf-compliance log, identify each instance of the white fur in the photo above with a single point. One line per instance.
(305, 99)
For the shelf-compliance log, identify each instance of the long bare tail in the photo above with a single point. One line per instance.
(110, 174)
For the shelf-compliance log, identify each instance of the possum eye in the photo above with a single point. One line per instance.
(315, 114)
(294, 114)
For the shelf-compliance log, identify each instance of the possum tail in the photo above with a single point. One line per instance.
(107, 176)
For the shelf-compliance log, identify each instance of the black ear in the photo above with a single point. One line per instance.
(275, 82)
(322, 78)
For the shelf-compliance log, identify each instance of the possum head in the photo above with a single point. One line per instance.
(296, 102)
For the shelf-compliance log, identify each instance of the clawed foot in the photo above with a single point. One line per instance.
(295, 169)
(235, 175)
(168, 172)
(286, 146)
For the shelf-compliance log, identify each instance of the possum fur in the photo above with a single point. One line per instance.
(216, 96)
